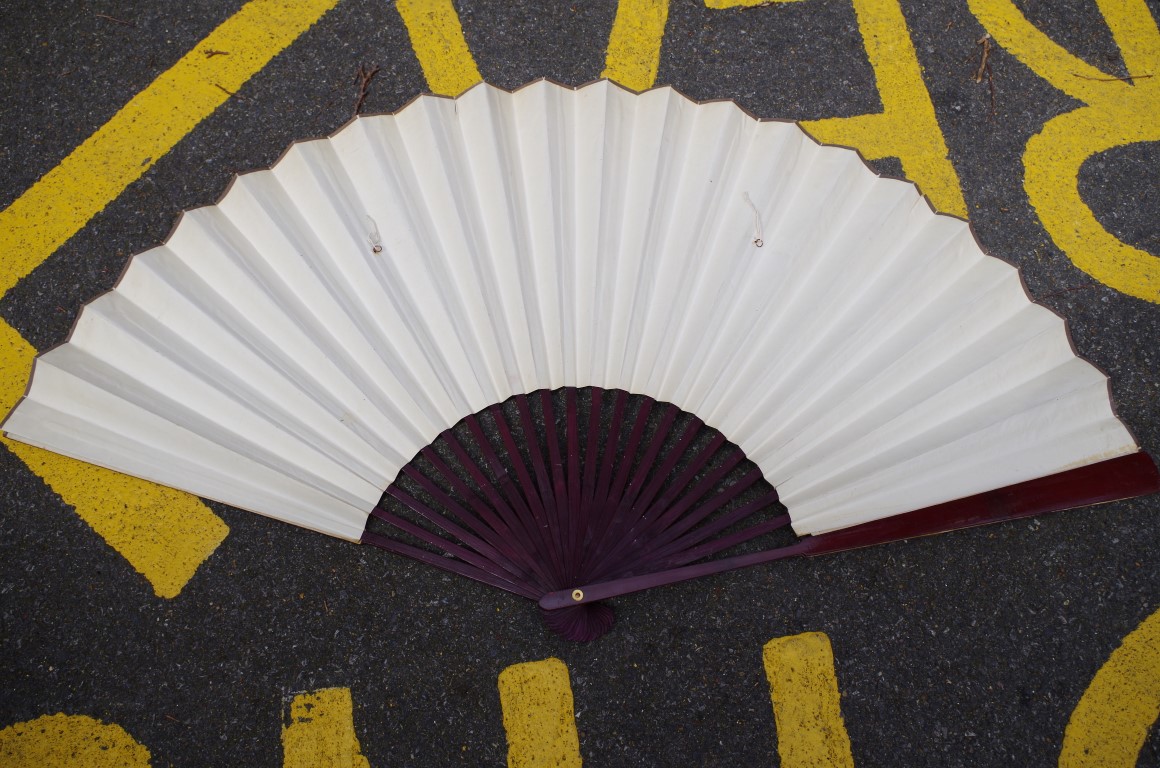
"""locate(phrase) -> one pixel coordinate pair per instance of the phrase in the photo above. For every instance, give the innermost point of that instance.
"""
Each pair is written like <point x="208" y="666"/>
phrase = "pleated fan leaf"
<point x="304" y="343"/>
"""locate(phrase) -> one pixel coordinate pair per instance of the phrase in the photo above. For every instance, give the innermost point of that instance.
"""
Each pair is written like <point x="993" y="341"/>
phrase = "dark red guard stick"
<point x="1119" y="478"/>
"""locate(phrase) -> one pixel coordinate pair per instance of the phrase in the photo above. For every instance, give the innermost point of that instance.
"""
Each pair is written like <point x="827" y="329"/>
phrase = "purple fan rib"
<point x="535" y="496"/>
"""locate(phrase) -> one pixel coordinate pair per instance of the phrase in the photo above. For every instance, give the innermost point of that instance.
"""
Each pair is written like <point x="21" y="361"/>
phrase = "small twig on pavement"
<point x="210" y="53"/>
<point x="984" y="41"/>
<point x="363" y="77"/>
<point x="229" y="93"/>
<point x="984" y="71"/>
<point x="1124" y="79"/>
<point x="115" y="20"/>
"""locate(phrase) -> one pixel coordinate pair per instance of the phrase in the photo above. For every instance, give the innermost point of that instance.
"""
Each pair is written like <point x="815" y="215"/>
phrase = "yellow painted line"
<point x="153" y="121"/>
<point x="70" y="741"/>
<point x="634" y="46"/>
<point x="1116" y="113"/>
<point x="164" y="534"/>
<point x="804" y="689"/>
<point x="320" y="733"/>
<point x="1111" y="722"/>
<point x="1135" y="32"/>
<point x="1026" y="42"/>
<point x="907" y="127"/>
<point x="437" y="37"/>
<point x="719" y="5"/>
<point x="537" y="714"/>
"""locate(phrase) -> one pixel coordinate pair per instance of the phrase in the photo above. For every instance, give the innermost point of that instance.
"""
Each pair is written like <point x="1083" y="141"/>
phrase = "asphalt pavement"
<point x="966" y="649"/>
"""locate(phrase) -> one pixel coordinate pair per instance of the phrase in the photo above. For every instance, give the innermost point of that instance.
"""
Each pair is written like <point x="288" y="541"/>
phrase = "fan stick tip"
<point x="1123" y="477"/>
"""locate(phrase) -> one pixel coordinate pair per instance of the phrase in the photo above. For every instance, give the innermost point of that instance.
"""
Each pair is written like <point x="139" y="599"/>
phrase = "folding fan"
<point x="568" y="342"/>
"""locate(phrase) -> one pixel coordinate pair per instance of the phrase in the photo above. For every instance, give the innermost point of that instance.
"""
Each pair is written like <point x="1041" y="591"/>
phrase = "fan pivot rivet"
<point x="577" y="595"/>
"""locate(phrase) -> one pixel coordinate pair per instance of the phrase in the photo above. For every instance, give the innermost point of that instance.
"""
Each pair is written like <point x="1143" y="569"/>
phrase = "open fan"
<point x="567" y="342"/>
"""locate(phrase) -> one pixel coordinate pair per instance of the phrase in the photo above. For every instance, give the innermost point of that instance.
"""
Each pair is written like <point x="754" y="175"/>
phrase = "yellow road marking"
<point x="164" y="534"/>
<point x="719" y="5"/>
<point x="806" y="707"/>
<point x="537" y="714"/>
<point x="437" y="37"/>
<point x="1117" y="113"/>
<point x="1110" y="724"/>
<point x="153" y="121"/>
<point x="70" y="741"/>
<point x="634" y="46"/>
<point x="321" y="732"/>
<point x="907" y="127"/>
